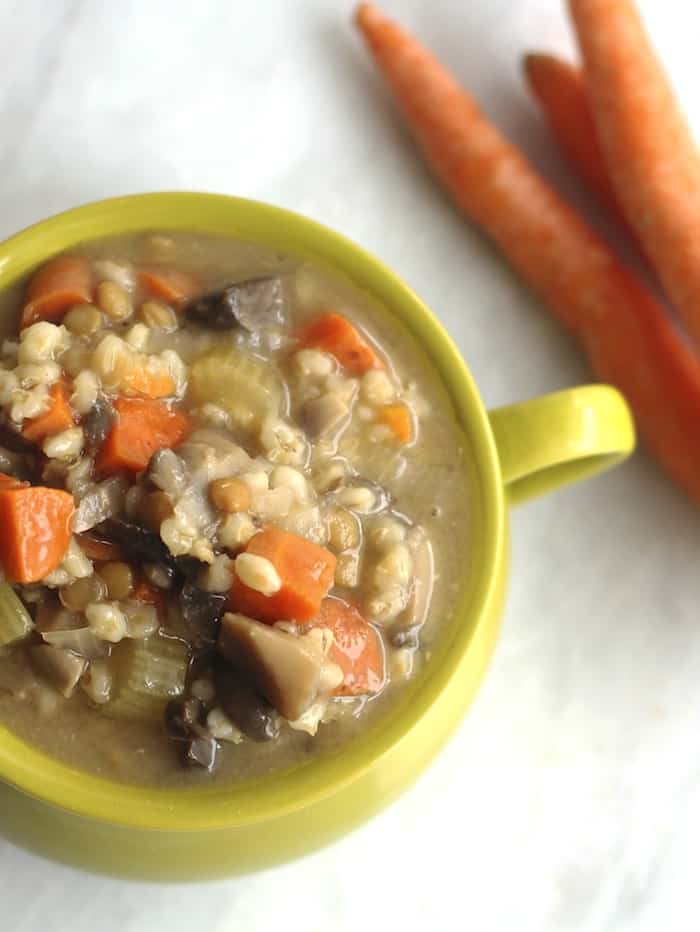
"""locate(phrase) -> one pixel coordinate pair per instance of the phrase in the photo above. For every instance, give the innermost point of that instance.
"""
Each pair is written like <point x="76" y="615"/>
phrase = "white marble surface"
<point x="570" y="797"/>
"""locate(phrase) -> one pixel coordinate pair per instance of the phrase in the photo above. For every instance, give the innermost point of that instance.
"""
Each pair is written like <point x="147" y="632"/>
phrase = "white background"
<point x="569" y="799"/>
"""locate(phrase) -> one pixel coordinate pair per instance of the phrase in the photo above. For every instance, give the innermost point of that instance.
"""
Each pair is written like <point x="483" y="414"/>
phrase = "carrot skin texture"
<point x="653" y="161"/>
<point x="58" y="284"/>
<point x="169" y="284"/>
<point x="356" y="648"/>
<point x="620" y="326"/>
<point x="334" y="334"/>
<point x="142" y="382"/>
<point x="36" y="530"/>
<point x="143" y="426"/>
<point x="560" y="89"/>
<point x="58" y="417"/>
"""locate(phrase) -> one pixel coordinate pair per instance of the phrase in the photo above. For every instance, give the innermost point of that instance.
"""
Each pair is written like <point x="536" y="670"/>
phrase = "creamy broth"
<point x="419" y="485"/>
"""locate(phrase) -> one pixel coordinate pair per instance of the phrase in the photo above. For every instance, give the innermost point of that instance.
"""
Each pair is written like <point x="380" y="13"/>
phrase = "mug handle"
<point x="555" y="440"/>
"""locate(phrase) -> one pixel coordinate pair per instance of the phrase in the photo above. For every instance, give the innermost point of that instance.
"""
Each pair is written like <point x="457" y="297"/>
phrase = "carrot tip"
<point x="365" y="13"/>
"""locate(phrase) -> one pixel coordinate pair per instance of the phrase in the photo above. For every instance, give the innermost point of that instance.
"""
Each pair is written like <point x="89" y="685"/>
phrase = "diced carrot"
<point x="169" y="284"/>
<point x="305" y="570"/>
<point x="62" y="282"/>
<point x="143" y="426"/>
<point x="334" y="334"/>
<point x="357" y="648"/>
<point x="143" y="591"/>
<point x="98" y="550"/>
<point x="140" y="381"/>
<point x="36" y="531"/>
<point x="398" y="418"/>
<point x="57" y="418"/>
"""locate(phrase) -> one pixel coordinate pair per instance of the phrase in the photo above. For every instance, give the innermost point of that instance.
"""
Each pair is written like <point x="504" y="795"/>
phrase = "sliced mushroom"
<point x="187" y="566"/>
<point x="13" y="464"/>
<point x="61" y="668"/>
<point x="201" y="752"/>
<point x="98" y="422"/>
<point x="404" y="631"/>
<point x="13" y="441"/>
<point x="202" y="613"/>
<point x="251" y="304"/>
<point x="99" y="502"/>
<point x="184" y="722"/>
<point x="285" y="668"/>
<point x="326" y="417"/>
<point x="52" y="616"/>
<point x="167" y="471"/>
<point x="211" y="454"/>
<point x="19" y="457"/>
<point x="183" y="718"/>
<point x="137" y="542"/>
<point x="248" y="711"/>
<point x="80" y="641"/>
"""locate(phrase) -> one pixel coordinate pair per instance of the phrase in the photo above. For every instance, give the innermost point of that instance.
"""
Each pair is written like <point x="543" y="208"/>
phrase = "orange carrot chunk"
<point x="357" y="648"/>
<point x="143" y="426"/>
<point x="621" y="327"/>
<point x="169" y="284"/>
<point x="561" y="91"/>
<point x="58" y="417"/>
<point x="398" y="418"/>
<point x="651" y="156"/>
<point x="306" y="572"/>
<point x="60" y="283"/>
<point x="139" y="381"/>
<point x="36" y="531"/>
<point x="333" y="334"/>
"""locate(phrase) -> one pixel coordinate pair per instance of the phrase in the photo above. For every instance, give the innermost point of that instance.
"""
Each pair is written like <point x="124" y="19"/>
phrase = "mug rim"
<point x="60" y="784"/>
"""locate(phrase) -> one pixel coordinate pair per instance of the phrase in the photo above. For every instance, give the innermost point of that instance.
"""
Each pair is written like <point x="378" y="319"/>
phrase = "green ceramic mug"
<point x="516" y="452"/>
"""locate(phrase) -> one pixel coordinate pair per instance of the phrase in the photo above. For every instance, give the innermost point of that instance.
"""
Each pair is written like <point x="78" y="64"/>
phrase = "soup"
<point x="234" y="509"/>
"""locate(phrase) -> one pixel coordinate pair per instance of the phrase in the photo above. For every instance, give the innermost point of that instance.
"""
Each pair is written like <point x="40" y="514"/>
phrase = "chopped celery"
<point x="148" y="674"/>
<point x="15" y="620"/>
<point x="243" y="385"/>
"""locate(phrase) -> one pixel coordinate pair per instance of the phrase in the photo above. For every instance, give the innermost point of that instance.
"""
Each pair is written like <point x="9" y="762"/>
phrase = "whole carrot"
<point x="619" y="324"/>
<point x="560" y="89"/>
<point x="653" y="161"/>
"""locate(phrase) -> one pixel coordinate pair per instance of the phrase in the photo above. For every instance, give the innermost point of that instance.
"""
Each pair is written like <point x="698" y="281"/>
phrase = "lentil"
<point x="78" y="595"/>
<point x="114" y="300"/>
<point x="118" y="577"/>
<point x="153" y="510"/>
<point x="230" y="495"/>
<point x="83" y="320"/>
